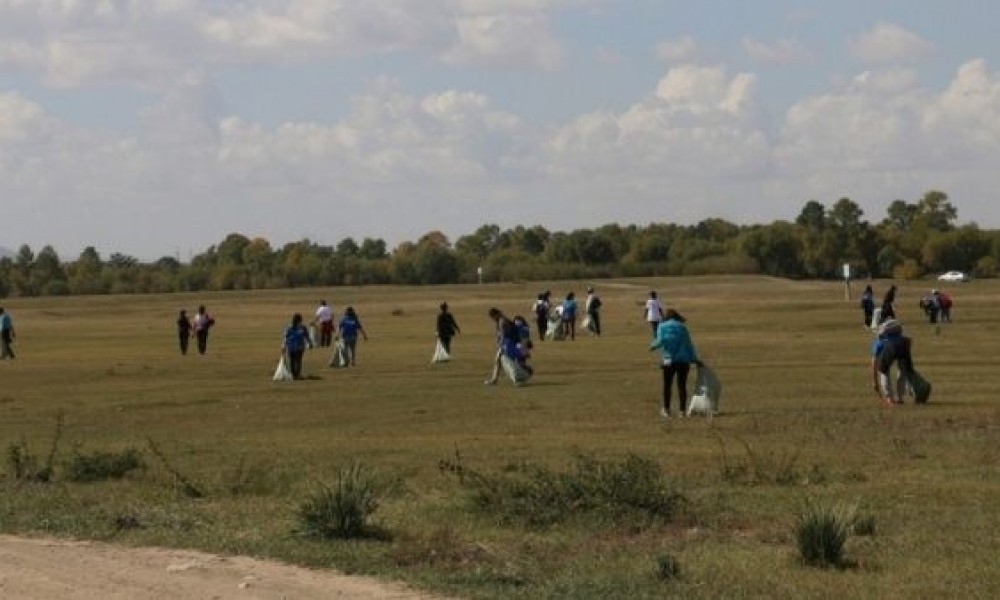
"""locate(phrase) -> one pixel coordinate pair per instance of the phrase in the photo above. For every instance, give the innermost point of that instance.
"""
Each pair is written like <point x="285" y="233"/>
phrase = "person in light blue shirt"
<point x="296" y="341"/>
<point x="7" y="335"/>
<point x="677" y="354"/>
<point x="569" y="310"/>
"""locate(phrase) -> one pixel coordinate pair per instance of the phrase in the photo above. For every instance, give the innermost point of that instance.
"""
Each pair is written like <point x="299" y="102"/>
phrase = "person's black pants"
<point x="543" y="326"/>
<point x="295" y="362"/>
<point x="446" y="342"/>
<point x="680" y="370"/>
<point x="595" y="319"/>
<point x="183" y="337"/>
<point x="202" y="341"/>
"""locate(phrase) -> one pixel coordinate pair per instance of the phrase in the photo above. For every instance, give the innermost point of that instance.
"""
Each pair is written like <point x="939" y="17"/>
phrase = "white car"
<point x="953" y="276"/>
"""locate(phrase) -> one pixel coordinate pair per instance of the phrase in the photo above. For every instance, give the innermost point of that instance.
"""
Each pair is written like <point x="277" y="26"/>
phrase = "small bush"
<point x="822" y="532"/>
<point x="101" y="466"/>
<point x="343" y="510"/>
<point x="633" y="488"/>
<point x="667" y="568"/>
<point x="864" y="525"/>
<point x="22" y="465"/>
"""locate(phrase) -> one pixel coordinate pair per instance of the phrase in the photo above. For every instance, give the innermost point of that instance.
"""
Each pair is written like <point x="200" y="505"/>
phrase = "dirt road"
<point x="43" y="569"/>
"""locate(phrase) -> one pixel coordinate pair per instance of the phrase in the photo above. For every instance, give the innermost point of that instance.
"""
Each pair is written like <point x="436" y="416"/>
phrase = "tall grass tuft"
<point x="103" y="465"/>
<point x="343" y="510"/>
<point x="629" y="489"/>
<point x="822" y="532"/>
<point x="667" y="568"/>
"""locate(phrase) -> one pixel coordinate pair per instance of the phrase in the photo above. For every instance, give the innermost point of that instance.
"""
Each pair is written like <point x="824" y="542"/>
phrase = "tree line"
<point x="913" y="239"/>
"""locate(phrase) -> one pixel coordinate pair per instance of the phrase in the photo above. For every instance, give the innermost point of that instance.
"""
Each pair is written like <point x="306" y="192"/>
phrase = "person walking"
<point x="203" y="322"/>
<point x="541" y="309"/>
<point x="7" y="335"/>
<point x="677" y="354"/>
<point x="183" y="330"/>
<point x="349" y="328"/>
<point x="888" y="305"/>
<point x="324" y="320"/>
<point x="295" y="342"/>
<point x="944" y="301"/>
<point x="891" y="347"/>
<point x="593" y="309"/>
<point x="868" y="304"/>
<point x="569" y="310"/>
<point x="447" y="327"/>
<point x="653" y="312"/>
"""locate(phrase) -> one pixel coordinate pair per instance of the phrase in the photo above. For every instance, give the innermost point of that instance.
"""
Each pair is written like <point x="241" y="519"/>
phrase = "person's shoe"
<point x="664" y="413"/>
<point x="490" y="382"/>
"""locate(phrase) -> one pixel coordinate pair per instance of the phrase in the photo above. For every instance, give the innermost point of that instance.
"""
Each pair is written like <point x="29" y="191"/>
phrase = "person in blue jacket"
<point x="296" y="340"/>
<point x="569" y="310"/>
<point x="349" y="328"/>
<point x="677" y="353"/>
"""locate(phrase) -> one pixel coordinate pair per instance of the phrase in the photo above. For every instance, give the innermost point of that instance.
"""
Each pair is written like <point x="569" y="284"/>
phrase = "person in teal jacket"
<point x="678" y="353"/>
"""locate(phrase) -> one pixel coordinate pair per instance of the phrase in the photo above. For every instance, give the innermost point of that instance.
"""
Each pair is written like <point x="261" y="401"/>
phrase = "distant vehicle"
<point x="953" y="276"/>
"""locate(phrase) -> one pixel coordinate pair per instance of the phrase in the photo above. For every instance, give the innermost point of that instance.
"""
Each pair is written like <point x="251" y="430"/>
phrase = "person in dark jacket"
<point x="296" y="341"/>
<point x="447" y="327"/>
<point x="183" y="330"/>
<point x="891" y="347"/>
<point x="868" y="304"/>
<point x="7" y="335"/>
<point x="888" y="305"/>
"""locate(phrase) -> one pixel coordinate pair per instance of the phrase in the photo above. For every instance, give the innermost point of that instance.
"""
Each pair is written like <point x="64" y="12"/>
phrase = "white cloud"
<point x="780" y="52"/>
<point x="506" y="42"/>
<point x="889" y="42"/>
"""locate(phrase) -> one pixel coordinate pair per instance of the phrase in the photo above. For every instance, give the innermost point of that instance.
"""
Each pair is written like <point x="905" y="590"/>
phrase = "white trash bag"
<point x="282" y="373"/>
<point x="339" y="358"/>
<point x="707" y="392"/>
<point x="440" y="354"/>
<point x="313" y="335"/>
<point x="514" y="370"/>
<point x="555" y="331"/>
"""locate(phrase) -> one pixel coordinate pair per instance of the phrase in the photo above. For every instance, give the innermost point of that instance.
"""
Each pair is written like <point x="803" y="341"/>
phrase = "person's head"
<point x="671" y="314"/>
<point x="590" y="290"/>
<point x="201" y="309"/>
<point x="350" y="311"/>
<point x="547" y="294"/>
<point x="183" y="313"/>
<point x="652" y="294"/>
<point x="541" y="295"/>
<point x="296" y="319"/>
<point x="1" y="310"/>
<point x="570" y="296"/>
<point x="322" y="302"/>
<point x="936" y="292"/>
<point x="495" y="313"/>
<point x="444" y="307"/>
<point x="868" y="288"/>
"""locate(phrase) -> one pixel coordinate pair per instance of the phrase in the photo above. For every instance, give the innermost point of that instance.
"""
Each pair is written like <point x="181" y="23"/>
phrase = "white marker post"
<point x="847" y="280"/>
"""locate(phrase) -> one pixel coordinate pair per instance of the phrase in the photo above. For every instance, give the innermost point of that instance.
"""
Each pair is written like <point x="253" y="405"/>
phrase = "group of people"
<point x="297" y="337"/>
<point x="937" y="307"/>
<point x="197" y="328"/>
<point x="557" y="320"/>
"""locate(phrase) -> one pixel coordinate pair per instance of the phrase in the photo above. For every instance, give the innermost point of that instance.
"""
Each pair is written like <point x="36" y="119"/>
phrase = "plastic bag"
<point x="517" y="373"/>
<point x="440" y="354"/>
<point x="707" y="393"/>
<point x="282" y="372"/>
<point x="339" y="358"/>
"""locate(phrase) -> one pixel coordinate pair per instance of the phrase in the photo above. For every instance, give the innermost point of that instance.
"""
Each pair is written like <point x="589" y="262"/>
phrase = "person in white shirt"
<point x="324" y="319"/>
<point x="593" y="309"/>
<point x="653" y="312"/>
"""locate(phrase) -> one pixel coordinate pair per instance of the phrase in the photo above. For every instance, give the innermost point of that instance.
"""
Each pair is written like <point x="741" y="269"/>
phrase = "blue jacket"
<point x="674" y="342"/>
<point x="297" y="338"/>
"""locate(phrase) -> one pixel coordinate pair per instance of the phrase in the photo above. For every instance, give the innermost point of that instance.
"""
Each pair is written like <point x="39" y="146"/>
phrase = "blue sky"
<point x="156" y="127"/>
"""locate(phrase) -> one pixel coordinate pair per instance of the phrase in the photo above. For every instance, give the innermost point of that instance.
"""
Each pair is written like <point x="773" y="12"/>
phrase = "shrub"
<point x="344" y="509"/>
<point x="822" y="532"/>
<point x="864" y="525"/>
<point x="667" y="568"/>
<point x="534" y="495"/>
<point x="103" y="465"/>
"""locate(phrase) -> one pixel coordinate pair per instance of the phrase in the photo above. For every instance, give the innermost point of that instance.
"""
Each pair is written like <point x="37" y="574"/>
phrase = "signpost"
<point x="847" y="280"/>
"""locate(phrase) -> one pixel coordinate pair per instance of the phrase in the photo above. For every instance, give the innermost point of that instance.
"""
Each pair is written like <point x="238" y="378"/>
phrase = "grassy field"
<point x="800" y="424"/>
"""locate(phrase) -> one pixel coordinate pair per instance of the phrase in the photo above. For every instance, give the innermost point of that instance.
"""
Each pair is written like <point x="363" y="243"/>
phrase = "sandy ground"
<point x="45" y="569"/>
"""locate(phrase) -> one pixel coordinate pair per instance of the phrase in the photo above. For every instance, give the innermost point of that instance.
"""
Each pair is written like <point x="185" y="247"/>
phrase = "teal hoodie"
<point x="674" y="342"/>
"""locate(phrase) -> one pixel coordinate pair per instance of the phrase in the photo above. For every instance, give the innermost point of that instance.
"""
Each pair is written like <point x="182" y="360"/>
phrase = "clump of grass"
<point x="864" y="524"/>
<point x="101" y="466"/>
<point x="771" y="468"/>
<point x="182" y="483"/>
<point x="629" y="489"/>
<point x="821" y="534"/>
<point x="667" y="568"/>
<point x="343" y="510"/>
<point x="24" y="465"/>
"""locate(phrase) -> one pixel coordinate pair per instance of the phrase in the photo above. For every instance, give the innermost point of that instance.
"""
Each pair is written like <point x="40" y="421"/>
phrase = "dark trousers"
<point x="595" y="320"/>
<point x="202" y="336"/>
<point x="351" y="350"/>
<point x="654" y="325"/>
<point x="6" y="339"/>
<point x="183" y="337"/>
<point x="543" y="326"/>
<point x="326" y="333"/>
<point x="446" y="342"/>
<point x="869" y="314"/>
<point x="681" y="370"/>
<point x="295" y="362"/>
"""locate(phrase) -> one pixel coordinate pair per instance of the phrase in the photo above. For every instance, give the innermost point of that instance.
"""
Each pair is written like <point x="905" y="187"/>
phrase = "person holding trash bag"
<point x="349" y="328"/>
<point x="296" y="341"/>
<point x="447" y="327"/>
<point x="677" y="355"/>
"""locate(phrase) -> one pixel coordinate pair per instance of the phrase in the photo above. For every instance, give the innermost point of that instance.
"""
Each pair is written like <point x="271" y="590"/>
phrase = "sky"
<point x="157" y="127"/>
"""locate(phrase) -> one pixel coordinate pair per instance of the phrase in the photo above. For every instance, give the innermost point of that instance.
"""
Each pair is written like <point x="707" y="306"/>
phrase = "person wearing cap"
<point x="891" y="347"/>
<point x="677" y="352"/>
<point x="447" y="327"/>
<point x="593" y="310"/>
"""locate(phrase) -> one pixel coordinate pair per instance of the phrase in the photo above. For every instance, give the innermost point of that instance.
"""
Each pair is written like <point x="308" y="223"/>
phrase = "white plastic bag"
<point x="514" y="370"/>
<point x="339" y="358"/>
<point x="440" y="354"/>
<point x="876" y="318"/>
<point x="555" y="331"/>
<point x="313" y="335"/>
<point x="282" y="373"/>
<point x="588" y="323"/>
<point x="707" y="393"/>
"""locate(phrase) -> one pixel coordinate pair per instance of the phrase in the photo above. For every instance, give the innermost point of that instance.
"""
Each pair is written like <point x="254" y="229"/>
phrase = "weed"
<point x="103" y="465"/>
<point x="631" y="488"/>
<point x="180" y="481"/>
<point x="822" y="532"/>
<point x="864" y="524"/>
<point x="667" y="568"/>
<point x="344" y="509"/>
<point x="22" y="465"/>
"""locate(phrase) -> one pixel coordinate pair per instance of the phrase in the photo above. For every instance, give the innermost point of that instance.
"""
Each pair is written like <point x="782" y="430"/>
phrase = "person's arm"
<point x="362" y="330"/>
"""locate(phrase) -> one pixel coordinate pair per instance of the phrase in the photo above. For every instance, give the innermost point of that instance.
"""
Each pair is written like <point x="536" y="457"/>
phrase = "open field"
<point x="800" y="423"/>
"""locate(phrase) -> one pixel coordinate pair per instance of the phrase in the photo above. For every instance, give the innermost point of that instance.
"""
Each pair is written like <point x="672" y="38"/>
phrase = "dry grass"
<point x="799" y="419"/>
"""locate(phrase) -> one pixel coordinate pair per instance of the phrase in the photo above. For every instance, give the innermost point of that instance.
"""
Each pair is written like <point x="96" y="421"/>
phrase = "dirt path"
<point x="42" y="569"/>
